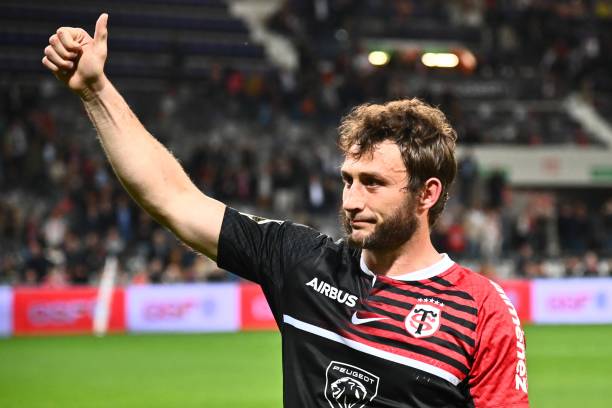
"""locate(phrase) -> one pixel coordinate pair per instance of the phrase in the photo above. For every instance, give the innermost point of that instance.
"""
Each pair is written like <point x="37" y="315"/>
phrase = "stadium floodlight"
<point x="105" y="293"/>
<point x="378" y="58"/>
<point x="440" y="60"/>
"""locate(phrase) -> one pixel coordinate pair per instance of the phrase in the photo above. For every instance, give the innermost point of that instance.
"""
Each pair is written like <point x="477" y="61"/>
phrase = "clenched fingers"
<point x="70" y="38"/>
<point x="50" y="65"/>
<point x="54" y="57"/>
<point x="56" y="43"/>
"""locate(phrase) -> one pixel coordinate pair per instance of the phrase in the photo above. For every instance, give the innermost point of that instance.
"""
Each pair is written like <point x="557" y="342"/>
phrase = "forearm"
<point x="147" y="170"/>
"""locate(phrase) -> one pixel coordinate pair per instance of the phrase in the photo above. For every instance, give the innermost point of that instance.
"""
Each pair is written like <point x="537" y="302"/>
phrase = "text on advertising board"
<point x="68" y="310"/>
<point x="578" y="300"/>
<point x="183" y="307"/>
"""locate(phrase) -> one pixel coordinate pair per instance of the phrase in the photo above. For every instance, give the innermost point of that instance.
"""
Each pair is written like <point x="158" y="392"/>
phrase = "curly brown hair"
<point x="423" y="134"/>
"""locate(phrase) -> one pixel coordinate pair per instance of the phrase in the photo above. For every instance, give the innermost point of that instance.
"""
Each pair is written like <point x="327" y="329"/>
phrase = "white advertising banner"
<point x="576" y="301"/>
<point x="183" y="308"/>
<point x="6" y="311"/>
<point x="550" y="166"/>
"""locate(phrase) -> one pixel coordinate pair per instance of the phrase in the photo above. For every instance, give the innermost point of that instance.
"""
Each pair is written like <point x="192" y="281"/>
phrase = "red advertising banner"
<point x="519" y="292"/>
<point x="62" y="311"/>
<point x="255" y="314"/>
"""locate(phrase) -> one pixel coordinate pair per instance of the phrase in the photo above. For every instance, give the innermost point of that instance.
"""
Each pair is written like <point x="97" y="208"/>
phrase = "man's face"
<point x="378" y="212"/>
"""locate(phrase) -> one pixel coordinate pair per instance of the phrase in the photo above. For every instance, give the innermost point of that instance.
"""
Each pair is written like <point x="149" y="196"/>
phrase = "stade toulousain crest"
<point x="347" y="386"/>
<point x="424" y="318"/>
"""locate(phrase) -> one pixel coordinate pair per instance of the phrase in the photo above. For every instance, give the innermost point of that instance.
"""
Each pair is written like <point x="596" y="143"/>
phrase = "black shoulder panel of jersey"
<point x="265" y="251"/>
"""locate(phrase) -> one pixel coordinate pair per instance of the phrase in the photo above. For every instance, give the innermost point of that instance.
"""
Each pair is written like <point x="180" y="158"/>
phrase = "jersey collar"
<point x="433" y="270"/>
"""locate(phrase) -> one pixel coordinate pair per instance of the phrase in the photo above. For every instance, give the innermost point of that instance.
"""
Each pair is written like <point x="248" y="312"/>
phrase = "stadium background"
<point x="247" y="94"/>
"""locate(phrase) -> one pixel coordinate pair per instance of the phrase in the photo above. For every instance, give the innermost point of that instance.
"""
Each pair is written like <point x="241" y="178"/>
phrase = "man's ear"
<point x="430" y="194"/>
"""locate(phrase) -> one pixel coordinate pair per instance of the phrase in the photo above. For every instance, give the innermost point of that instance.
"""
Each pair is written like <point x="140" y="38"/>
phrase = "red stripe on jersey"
<point x="405" y="338"/>
<point x="449" y="301"/>
<point x="469" y="348"/>
<point x="405" y="353"/>
<point x="452" y="294"/>
<point x="404" y="311"/>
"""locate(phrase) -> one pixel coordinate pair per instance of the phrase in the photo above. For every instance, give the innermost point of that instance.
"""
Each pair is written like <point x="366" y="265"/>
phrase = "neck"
<point x="413" y="255"/>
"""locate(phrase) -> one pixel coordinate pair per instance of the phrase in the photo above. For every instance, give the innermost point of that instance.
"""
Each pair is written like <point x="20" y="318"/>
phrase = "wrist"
<point x="93" y="89"/>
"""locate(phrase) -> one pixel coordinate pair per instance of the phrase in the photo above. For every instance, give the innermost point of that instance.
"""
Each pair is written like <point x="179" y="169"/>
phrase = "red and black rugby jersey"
<point x="443" y="336"/>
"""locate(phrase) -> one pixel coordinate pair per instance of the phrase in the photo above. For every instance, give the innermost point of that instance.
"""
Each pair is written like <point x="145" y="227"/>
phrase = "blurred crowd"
<point x="523" y="50"/>
<point x="526" y="233"/>
<point x="62" y="212"/>
<point x="264" y="142"/>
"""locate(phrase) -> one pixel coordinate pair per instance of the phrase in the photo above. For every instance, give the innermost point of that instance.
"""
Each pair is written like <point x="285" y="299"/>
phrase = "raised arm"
<point x="147" y="170"/>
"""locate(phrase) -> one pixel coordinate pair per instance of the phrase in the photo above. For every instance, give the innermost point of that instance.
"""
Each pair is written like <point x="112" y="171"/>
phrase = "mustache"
<point x="346" y="219"/>
<point x="345" y="215"/>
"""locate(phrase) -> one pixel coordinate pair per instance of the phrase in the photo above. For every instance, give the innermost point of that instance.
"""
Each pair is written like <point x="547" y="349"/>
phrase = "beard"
<point x="395" y="230"/>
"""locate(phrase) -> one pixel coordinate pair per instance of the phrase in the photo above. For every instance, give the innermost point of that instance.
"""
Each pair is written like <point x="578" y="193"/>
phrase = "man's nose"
<point x="353" y="198"/>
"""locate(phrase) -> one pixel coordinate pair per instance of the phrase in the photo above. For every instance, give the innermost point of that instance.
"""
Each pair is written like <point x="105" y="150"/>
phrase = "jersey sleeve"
<point x="499" y="373"/>
<point x="263" y="250"/>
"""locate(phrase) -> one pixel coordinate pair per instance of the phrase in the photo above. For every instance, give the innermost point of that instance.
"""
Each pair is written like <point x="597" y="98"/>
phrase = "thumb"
<point x="101" y="31"/>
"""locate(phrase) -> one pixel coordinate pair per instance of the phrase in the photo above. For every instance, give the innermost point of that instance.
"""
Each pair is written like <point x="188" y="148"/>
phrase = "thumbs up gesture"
<point x="77" y="59"/>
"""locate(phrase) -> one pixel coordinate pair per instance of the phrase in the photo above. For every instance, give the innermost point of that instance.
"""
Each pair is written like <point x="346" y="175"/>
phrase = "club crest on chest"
<point x="424" y="318"/>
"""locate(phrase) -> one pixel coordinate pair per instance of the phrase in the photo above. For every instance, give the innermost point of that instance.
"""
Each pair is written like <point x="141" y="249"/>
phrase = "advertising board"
<point x="519" y="293"/>
<point x="576" y="301"/>
<point x="62" y="311"/>
<point x="255" y="314"/>
<point x="6" y="313"/>
<point x="183" y="308"/>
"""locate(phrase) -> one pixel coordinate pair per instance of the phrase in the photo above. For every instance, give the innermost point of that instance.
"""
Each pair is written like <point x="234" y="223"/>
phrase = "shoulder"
<point x="293" y="234"/>
<point x="488" y="295"/>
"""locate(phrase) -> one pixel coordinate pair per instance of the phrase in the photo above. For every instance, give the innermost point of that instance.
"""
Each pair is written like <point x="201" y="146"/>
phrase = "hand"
<point x="77" y="59"/>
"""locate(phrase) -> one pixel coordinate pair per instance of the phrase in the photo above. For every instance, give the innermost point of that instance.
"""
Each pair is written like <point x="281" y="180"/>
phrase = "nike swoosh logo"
<point x="356" y="320"/>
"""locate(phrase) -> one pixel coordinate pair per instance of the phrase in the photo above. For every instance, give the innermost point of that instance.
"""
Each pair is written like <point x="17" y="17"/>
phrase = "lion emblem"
<point x="348" y="392"/>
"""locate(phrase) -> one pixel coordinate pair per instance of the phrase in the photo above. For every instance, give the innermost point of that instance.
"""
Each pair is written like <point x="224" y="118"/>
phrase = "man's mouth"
<point x="360" y="222"/>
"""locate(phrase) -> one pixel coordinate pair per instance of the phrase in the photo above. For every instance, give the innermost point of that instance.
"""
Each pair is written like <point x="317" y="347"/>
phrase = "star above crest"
<point x="432" y="301"/>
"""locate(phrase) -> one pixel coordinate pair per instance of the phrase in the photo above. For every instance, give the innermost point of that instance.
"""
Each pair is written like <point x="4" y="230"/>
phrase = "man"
<point x="379" y="319"/>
